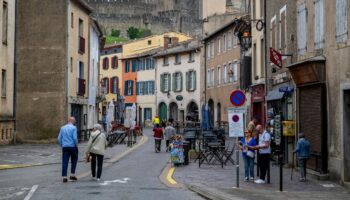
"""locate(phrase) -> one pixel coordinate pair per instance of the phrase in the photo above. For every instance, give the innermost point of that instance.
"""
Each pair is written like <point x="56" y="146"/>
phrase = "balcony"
<point x="81" y="86"/>
<point x="81" y="45"/>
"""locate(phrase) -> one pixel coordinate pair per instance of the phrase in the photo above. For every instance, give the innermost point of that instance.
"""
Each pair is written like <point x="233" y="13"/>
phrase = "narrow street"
<point x="135" y="176"/>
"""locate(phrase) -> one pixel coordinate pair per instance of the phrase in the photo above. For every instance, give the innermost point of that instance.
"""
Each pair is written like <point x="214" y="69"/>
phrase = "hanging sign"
<point x="276" y="57"/>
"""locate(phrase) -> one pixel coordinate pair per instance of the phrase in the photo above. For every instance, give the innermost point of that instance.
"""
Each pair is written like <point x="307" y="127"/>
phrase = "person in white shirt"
<point x="96" y="149"/>
<point x="264" y="152"/>
<point x="169" y="132"/>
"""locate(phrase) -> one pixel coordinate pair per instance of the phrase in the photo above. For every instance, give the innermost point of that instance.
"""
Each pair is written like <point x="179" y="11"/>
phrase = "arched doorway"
<point x="218" y="113"/>
<point x="163" y="112"/>
<point x="173" y="111"/>
<point x="192" y="112"/>
<point x="211" y="112"/>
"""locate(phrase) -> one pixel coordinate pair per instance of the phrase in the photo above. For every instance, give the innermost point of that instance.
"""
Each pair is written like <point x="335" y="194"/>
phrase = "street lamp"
<point x="246" y="39"/>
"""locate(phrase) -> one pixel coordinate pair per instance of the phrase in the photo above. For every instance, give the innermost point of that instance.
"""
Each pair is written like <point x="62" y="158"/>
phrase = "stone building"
<point x="52" y="66"/>
<point x="7" y="66"/>
<point x="221" y="72"/>
<point x="322" y="78"/>
<point x="178" y="72"/>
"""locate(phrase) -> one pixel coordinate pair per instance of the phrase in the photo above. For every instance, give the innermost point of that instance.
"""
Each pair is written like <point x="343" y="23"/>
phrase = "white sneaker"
<point x="246" y="179"/>
<point x="259" y="181"/>
<point x="252" y="178"/>
<point x="98" y="179"/>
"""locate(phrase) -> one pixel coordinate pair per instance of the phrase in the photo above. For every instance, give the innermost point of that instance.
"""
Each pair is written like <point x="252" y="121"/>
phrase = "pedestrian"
<point x="156" y="121"/>
<point x="264" y="152"/>
<point x="303" y="154"/>
<point x="158" y="136"/>
<point x="251" y="127"/>
<point x="169" y="132"/>
<point x="68" y="140"/>
<point x="96" y="149"/>
<point x="104" y="122"/>
<point x="248" y="155"/>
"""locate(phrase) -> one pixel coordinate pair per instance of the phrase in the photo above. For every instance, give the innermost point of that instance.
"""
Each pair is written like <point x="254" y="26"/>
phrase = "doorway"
<point x="76" y="111"/>
<point x="346" y="134"/>
<point x="163" y="112"/>
<point x="218" y="113"/>
<point x="173" y="111"/>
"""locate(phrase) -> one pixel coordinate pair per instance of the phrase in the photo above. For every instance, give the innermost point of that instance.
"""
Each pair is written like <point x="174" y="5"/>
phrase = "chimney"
<point x="170" y="42"/>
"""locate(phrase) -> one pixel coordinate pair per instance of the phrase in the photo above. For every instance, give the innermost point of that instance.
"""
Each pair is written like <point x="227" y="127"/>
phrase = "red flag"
<point x="276" y="57"/>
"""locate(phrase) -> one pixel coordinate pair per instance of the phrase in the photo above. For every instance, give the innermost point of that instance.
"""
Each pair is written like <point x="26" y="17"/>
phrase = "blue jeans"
<point x="248" y="166"/>
<point x="69" y="152"/>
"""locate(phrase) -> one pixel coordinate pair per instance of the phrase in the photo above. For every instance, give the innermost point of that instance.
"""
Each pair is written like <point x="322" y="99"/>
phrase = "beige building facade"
<point x="221" y="73"/>
<point x="7" y="65"/>
<point x="52" y="67"/>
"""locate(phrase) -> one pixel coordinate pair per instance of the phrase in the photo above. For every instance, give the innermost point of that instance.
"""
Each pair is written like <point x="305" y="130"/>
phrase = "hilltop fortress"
<point x="158" y="15"/>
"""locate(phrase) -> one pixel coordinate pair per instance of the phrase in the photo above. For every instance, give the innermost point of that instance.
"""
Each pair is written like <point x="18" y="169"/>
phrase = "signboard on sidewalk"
<point x="277" y="129"/>
<point x="236" y="123"/>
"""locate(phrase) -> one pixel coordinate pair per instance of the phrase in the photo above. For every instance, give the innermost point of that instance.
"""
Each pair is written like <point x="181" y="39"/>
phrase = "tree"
<point x="115" y="33"/>
<point x="133" y="33"/>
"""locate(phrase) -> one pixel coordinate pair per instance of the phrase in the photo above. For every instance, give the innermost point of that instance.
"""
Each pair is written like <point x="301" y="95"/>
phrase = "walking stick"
<point x="291" y="173"/>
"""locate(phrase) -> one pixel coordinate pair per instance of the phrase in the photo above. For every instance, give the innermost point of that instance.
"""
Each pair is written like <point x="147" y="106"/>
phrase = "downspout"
<point x="265" y="44"/>
<point x="15" y="77"/>
<point x="67" y="58"/>
<point x="205" y="73"/>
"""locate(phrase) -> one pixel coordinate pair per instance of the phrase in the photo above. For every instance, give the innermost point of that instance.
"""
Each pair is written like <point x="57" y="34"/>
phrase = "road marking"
<point x="169" y="177"/>
<point x="2" y="167"/>
<point x="31" y="192"/>
<point x="124" y="180"/>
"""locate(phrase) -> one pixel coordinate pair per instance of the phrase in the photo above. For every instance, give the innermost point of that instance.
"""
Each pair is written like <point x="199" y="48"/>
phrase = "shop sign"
<point x="179" y="97"/>
<point x="286" y="89"/>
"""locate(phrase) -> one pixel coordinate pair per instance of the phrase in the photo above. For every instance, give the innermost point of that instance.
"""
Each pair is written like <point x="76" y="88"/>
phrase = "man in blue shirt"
<point x="68" y="140"/>
<point x="303" y="154"/>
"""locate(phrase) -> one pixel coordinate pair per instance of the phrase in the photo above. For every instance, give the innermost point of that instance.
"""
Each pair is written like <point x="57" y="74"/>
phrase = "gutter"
<point x="15" y="77"/>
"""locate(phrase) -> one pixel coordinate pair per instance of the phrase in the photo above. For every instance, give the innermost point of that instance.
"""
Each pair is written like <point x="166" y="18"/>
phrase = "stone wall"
<point x="158" y="15"/>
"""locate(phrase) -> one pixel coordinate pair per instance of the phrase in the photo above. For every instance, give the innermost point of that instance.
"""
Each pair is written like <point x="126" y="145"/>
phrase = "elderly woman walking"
<point x="96" y="148"/>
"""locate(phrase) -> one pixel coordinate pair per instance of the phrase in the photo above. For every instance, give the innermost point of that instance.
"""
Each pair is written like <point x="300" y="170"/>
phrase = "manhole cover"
<point x="96" y="193"/>
<point x="45" y="154"/>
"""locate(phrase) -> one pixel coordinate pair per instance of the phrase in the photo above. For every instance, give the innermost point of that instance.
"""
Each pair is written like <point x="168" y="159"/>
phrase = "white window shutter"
<point x="302" y="29"/>
<point x="319" y="24"/>
<point x="341" y="20"/>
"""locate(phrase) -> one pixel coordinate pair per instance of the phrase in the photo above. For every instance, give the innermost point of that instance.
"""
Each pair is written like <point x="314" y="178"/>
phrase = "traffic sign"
<point x="236" y="123"/>
<point x="238" y="98"/>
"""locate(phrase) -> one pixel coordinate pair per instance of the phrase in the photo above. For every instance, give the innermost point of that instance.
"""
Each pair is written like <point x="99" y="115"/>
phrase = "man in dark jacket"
<point x="303" y="154"/>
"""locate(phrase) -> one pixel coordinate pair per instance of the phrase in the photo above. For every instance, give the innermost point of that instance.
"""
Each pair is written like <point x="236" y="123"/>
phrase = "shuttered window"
<point x="191" y="81"/>
<point x="283" y="30"/>
<point x="224" y="75"/>
<point x="134" y="65"/>
<point x="114" y="85"/>
<point x="213" y="77"/>
<point x="302" y="29"/>
<point x="105" y="63"/>
<point x="208" y="50"/>
<point x="319" y="24"/>
<point x="341" y="20"/>
<point x="231" y="71"/>
<point x="208" y="78"/>
<point x="235" y="72"/>
<point x="165" y="82"/>
<point x="177" y="82"/>
<point x="105" y="85"/>
<point x="219" y="46"/>
<point x="273" y="32"/>
<point x="115" y="62"/>
<point x="219" y="75"/>
<point x="229" y="40"/>
<point x="224" y="43"/>
<point x="127" y="66"/>
<point x="212" y="49"/>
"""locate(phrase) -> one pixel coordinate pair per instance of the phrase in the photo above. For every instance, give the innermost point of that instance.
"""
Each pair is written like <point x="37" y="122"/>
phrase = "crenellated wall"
<point x="158" y="15"/>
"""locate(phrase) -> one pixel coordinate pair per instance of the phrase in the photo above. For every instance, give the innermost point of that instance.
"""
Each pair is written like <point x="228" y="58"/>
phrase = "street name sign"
<point x="277" y="129"/>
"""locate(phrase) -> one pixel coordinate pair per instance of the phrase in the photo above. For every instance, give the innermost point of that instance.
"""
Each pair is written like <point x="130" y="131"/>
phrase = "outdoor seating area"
<point x="210" y="146"/>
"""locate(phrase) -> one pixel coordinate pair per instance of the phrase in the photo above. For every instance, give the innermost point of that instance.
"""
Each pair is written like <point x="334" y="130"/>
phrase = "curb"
<point x="209" y="194"/>
<point x="166" y="177"/>
<point x="110" y="161"/>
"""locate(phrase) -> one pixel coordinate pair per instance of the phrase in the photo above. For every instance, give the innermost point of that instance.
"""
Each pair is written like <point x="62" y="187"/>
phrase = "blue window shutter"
<point x="161" y="86"/>
<point x="133" y="65"/>
<point x="137" y="88"/>
<point x="132" y="88"/>
<point x="194" y="80"/>
<point x="125" y="88"/>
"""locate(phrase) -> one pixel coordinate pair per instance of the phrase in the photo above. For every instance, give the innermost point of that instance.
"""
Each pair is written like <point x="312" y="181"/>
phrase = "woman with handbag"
<point x="248" y="155"/>
<point x="95" y="150"/>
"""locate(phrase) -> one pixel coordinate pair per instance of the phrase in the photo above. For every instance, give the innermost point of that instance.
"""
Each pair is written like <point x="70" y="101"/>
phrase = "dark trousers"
<point x="302" y="167"/>
<point x="157" y="144"/>
<point x="72" y="153"/>
<point x="264" y="162"/>
<point x="99" y="165"/>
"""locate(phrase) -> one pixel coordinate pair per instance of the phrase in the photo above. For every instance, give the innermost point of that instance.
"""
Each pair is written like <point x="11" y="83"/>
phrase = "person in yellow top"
<point x="156" y="121"/>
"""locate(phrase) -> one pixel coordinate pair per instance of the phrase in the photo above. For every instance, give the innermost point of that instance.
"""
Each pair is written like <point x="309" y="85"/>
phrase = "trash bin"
<point x="186" y="150"/>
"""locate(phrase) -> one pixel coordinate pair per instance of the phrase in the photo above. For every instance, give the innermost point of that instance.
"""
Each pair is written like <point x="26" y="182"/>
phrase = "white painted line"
<point x="31" y="192"/>
<point x="328" y="185"/>
<point x="124" y="180"/>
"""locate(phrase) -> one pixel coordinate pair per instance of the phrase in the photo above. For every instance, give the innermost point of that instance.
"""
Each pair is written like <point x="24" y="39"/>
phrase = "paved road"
<point x="133" y="177"/>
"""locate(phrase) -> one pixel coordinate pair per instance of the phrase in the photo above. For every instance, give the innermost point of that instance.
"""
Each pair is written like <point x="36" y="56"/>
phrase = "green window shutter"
<point x="181" y="81"/>
<point x="194" y="81"/>
<point x="162" y="82"/>
<point x="169" y="82"/>
<point x="187" y="81"/>
<point x="174" y="82"/>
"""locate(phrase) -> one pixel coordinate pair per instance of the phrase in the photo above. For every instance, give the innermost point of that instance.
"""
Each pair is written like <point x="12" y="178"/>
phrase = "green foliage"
<point x="133" y="33"/>
<point x="136" y="33"/>
<point x="115" y="33"/>
<point x="113" y="40"/>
